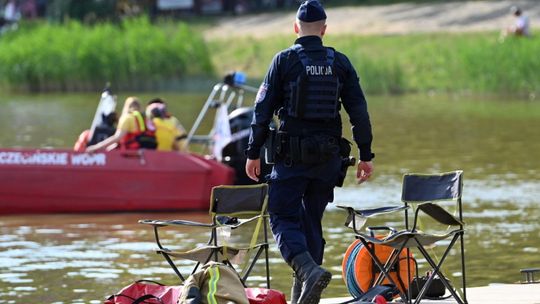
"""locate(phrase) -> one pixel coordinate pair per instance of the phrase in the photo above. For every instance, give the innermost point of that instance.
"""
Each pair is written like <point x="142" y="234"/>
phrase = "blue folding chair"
<point x="427" y="193"/>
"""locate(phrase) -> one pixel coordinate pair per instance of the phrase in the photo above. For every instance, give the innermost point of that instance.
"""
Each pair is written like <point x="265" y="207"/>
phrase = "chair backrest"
<point x="241" y="204"/>
<point x="420" y="188"/>
<point x="239" y="200"/>
<point x="427" y="190"/>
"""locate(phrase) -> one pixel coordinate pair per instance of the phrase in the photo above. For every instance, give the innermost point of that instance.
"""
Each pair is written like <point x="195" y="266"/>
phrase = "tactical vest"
<point x="315" y="93"/>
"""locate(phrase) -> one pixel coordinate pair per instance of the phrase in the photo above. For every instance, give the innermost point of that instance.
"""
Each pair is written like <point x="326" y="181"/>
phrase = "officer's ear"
<point x="323" y="30"/>
<point x="296" y="28"/>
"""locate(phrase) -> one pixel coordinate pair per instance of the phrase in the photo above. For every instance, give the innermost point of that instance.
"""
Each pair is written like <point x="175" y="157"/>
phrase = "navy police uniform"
<point x="306" y="86"/>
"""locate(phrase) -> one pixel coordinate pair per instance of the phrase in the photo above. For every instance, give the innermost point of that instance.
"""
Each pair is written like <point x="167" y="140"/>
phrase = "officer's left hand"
<point x="364" y="171"/>
<point x="253" y="168"/>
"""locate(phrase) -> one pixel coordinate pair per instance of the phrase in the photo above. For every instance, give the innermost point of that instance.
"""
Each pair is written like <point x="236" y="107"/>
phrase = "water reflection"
<point x="71" y="259"/>
<point x="83" y="258"/>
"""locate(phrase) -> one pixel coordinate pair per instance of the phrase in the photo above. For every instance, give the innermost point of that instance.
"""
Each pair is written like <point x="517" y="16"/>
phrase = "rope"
<point x="349" y="275"/>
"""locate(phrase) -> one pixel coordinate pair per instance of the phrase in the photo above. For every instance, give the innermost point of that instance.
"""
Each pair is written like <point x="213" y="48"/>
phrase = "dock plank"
<point x="492" y="294"/>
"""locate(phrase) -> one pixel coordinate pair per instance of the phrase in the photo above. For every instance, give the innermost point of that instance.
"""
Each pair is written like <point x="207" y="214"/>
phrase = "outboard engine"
<point x="233" y="153"/>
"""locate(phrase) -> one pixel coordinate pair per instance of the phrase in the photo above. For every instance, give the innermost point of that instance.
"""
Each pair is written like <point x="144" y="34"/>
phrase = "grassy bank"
<point x="476" y="62"/>
<point x="132" y="55"/>
<point x="138" y="55"/>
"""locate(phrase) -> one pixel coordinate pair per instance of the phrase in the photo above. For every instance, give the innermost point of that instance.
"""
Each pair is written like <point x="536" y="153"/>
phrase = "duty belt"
<point x="310" y="150"/>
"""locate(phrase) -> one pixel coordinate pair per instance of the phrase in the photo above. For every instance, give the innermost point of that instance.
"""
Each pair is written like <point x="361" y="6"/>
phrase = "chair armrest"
<point x="162" y="223"/>
<point x="354" y="220"/>
<point x="374" y="211"/>
<point x="178" y="223"/>
<point x="243" y="221"/>
<point x="358" y="218"/>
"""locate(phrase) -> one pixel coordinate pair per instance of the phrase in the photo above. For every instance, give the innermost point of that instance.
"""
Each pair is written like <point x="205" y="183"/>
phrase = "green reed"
<point x="442" y="62"/>
<point x="138" y="55"/>
<point x="134" y="54"/>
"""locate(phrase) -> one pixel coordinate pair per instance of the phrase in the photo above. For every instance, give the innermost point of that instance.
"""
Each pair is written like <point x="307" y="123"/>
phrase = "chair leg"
<point x="252" y="264"/>
<point x="267" y="266"/>
<point x="409" y="277"/>
<point x="265" y="230"/>
<point x="173" y="266"/>
<point x="464" y="281"/>
<point x="383" y="269"/>
<point x="436" y="271"/>
<point x="392" y="259"/>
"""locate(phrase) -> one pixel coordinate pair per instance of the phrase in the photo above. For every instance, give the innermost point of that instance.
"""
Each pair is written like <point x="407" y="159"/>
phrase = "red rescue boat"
<point x="52" y="181"/>
<point x="62" y="180"/>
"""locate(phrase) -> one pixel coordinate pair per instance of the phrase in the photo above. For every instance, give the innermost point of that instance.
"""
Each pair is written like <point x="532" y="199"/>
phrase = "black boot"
<point x="296" y="289"/>
<point x="314" y="278"/>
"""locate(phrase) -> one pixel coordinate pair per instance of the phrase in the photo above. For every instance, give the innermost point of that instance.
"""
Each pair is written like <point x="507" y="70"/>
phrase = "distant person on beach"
<point x="134" y="131"/>
<point x="170" y="134"/>
<point x="10" y="17"/>
<point x="12" y="13"/>
<point x="520" y="28"/>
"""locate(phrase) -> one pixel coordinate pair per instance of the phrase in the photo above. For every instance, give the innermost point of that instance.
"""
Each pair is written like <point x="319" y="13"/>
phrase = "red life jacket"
<point x="143" y="138"/>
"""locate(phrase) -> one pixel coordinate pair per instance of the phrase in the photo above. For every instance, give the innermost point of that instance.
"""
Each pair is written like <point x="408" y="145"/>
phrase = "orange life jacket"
<point x="143" y="138"/>
<point x="82" y="141"/>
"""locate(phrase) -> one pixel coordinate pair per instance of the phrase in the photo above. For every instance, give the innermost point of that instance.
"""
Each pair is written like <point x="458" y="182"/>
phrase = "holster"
<point x="281" y="144"/>
<point x="346" y="160"/>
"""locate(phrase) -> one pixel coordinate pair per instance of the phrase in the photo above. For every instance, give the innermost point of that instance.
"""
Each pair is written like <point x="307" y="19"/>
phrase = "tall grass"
<point x="442" y="62"/>
<point x="139" y="55"/>
<point x="132" y="55"/>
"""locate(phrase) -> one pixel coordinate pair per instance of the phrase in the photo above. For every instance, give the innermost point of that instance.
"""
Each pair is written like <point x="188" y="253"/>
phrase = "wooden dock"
<point x="492" y="294"/>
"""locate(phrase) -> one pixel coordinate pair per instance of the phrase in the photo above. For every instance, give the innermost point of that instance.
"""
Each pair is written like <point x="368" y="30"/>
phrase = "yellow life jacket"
<point x="166" y="133"/>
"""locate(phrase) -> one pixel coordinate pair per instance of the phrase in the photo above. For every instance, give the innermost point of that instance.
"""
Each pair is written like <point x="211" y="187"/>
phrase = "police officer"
<point x="305" y="86"/>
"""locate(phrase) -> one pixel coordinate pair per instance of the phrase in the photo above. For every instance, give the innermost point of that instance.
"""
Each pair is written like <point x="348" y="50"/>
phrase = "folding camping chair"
<point x="426" y="193"/>
<point x="236" y="212"/>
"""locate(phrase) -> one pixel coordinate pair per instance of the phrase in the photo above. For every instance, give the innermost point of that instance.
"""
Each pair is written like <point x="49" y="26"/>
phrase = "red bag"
<point x="146" y="292"/>
<point x="265" y="296"/>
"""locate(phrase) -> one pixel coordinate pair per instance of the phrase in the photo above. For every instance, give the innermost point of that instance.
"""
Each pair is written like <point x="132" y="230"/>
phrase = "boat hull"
<point x="55" y="181"/>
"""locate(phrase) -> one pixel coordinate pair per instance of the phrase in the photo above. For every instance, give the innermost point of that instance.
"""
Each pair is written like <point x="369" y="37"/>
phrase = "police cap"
<point x="311" y="11"/>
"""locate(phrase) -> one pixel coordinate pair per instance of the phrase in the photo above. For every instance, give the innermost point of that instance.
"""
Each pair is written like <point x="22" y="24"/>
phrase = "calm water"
<point x="84" y="258"/>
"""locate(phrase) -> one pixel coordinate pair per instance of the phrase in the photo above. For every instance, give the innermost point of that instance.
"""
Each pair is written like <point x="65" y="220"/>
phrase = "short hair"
<point x="155" y="100"/>
<point x="310" y="26"/>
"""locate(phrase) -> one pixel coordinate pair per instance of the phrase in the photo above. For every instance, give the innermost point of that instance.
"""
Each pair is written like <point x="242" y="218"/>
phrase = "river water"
<point x="74" y="258"/>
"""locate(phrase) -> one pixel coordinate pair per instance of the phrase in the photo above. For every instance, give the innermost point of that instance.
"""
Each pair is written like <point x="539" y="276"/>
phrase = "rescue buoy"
<point x="359" y="271"/>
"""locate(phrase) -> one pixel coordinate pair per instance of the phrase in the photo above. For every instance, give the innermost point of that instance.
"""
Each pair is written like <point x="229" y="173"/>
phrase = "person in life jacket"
<point x="105" y="129"/>
<point x="134" y="131"/>
<point x="170" y="134"/>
